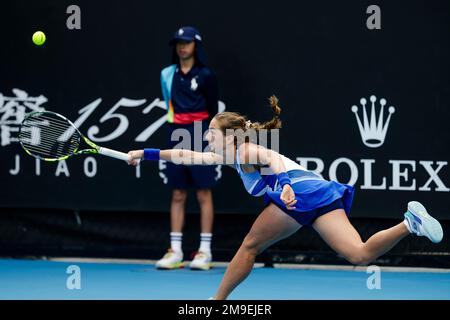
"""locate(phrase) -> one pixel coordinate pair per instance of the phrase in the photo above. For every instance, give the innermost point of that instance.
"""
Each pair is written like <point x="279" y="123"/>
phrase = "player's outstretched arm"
<point x="177" y="156"/>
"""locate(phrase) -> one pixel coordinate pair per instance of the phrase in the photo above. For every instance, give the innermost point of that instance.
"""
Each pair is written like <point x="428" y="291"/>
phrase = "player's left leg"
<point x="335" y="229"/>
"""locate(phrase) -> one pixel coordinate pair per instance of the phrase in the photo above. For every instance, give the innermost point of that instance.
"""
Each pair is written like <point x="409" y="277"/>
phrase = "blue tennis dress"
<point x="315" y="196"/>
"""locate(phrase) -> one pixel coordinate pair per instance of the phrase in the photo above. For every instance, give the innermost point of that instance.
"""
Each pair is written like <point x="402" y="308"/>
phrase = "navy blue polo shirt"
<point x="194" y="96"/>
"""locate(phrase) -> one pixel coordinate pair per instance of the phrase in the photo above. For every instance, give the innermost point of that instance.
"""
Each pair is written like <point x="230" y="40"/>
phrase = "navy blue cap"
<point x="189" y="34"/>
<point x="186" y="34"/>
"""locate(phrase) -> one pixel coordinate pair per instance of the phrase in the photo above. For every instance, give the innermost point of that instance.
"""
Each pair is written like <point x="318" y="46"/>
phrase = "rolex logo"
<point x="373" y="131"/>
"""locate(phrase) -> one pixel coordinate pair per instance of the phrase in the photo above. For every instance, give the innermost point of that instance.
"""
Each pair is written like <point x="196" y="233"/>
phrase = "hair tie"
<point x="248" y="124"/>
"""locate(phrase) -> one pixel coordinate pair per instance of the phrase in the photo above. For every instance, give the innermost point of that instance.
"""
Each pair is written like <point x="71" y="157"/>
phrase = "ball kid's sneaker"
<point x="202" y="261"/>
<point x="171" y="260"/>
<point x="419" y="222"/>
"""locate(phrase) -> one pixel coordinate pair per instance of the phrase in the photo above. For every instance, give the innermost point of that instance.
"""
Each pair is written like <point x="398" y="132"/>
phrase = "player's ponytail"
<point x="234" y="120"/>
<point x="275" y="123"/>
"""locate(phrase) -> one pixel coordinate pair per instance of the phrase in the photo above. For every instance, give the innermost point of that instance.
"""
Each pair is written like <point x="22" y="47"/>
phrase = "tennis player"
<point x="295" y="197"/>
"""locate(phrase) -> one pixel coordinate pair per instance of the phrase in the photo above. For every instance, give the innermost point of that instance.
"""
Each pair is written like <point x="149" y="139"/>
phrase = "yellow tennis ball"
<point x="38" y="38"/>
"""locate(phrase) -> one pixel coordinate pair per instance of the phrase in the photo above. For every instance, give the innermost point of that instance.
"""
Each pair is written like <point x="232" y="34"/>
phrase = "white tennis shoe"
<point x="171" y="260"/>
<point x="202" y="261"/>
<point x="421" y="223"/>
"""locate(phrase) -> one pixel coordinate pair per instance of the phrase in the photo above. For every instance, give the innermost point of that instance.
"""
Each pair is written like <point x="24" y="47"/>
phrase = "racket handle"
<point x="114" y="154"/>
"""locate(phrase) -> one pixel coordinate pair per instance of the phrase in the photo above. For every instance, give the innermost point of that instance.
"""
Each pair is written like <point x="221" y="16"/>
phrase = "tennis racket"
<point x="50" y="136"/>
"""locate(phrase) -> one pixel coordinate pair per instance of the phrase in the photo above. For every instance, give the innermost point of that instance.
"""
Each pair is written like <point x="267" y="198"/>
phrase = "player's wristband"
<point x="151" y="154"/>
<point x="283" y="179"/>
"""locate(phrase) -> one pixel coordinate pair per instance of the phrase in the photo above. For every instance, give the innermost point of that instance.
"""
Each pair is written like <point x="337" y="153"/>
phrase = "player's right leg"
<point x="271" y="226"/>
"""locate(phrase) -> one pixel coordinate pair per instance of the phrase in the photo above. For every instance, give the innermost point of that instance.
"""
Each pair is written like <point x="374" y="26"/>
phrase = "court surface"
<point x="43" y="279"/>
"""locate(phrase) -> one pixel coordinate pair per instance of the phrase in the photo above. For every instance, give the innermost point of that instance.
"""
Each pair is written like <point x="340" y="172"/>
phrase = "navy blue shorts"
<point x="190" y="177"/>
<point x="307" y="218"/>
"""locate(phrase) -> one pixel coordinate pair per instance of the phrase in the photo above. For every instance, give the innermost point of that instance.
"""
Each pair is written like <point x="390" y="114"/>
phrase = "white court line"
<point x="358" y="268"/>
<point x="131" y="261"/>
<point x="260" y="265"/>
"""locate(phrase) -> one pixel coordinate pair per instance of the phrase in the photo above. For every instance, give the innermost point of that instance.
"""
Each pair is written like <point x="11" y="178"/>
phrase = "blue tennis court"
<point x="42" y="279"/>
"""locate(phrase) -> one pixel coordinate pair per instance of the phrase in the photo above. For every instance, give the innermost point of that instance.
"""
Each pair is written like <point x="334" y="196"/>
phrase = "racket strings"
<point x="56" y="123"/>
<point x="47" y="136"/>
<point x="47" y="145"/>
<point x="53" y="133"/>
<point x="49" y="150"/>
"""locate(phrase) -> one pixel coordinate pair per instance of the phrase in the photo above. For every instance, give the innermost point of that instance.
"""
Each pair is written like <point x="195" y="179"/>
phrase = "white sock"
<point x="205" y="242"/>
<point x="175" y="241"/>
<point x="407" y="225"/>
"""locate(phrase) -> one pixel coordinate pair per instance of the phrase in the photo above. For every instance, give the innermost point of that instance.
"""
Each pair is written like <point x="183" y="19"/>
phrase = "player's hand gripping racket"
<point x="50" y="136"/>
